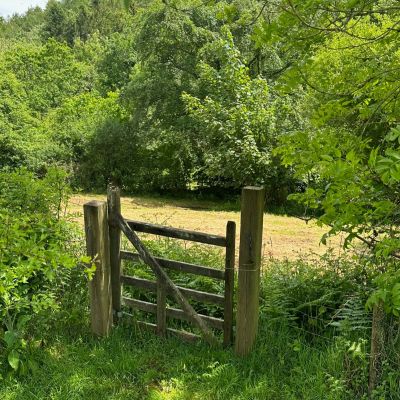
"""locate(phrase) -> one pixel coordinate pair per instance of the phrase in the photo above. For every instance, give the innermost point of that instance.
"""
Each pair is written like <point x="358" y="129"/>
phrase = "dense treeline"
<point x="176" y="95"/>
<point x="112" y="90"/>
<point x="168" y="95"/>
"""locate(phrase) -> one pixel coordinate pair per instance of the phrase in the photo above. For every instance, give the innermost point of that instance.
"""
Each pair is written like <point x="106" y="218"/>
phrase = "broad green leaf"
<point x="13" y="359"/>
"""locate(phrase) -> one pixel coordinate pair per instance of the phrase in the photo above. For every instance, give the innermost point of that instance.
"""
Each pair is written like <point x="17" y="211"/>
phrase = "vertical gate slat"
<point x="229" y="282"/>
<point x="161" y="307"/>
<point x="114" y="208"/>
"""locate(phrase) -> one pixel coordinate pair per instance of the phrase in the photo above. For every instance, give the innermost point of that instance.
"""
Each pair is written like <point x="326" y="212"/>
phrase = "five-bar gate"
<point x="160" y="286"/>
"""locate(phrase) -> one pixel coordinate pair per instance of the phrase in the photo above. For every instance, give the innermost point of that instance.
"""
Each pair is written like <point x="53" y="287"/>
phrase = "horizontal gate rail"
<point x="184" y="335"/>
<point x="179" y="266"/>
<point x="151" y="286"/>
<point x="176" y="233"/>
<point x="141" y="305"/>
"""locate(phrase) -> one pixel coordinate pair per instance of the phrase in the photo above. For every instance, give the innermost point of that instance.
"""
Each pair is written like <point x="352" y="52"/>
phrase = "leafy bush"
<point x="323" y="300"/>
<point x="36" y="258"/>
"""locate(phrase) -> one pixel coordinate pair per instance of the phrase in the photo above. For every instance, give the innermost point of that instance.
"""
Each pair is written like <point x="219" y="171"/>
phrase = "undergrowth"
<point x="313" y="342"/>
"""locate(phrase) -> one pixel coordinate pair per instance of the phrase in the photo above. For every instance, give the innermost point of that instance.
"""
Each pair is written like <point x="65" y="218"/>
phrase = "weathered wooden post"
<point x="97" y="245"/>
<point x="251" y="226"/>
<point x="377" y="347"/>
<point x="229" y="281"/>
<point x="114" y="208"/>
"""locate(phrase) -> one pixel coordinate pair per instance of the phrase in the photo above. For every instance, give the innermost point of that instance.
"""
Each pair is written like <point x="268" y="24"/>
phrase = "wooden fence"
<point x="104" y="225"/>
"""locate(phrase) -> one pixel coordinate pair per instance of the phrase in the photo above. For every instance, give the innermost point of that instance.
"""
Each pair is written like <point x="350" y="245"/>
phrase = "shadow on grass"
<point x="135" y="365"/>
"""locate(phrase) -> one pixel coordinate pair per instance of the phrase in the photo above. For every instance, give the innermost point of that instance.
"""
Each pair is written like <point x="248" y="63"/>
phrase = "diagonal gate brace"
<point x="162" y="275"/>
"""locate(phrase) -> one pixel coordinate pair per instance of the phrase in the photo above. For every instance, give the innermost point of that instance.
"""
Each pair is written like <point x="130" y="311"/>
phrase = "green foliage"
<point x="148" y="55"/>
<point x="116" y="62"/>
<point x="15" y="121"/>
<point x="313" y="294"/>
<point x="347" y="155"/>
<point x="34" y="259"/>
<point x="353" y="89"/>
<point x="355" y="190"/>
<point x="355" y="186"/>
<point x="49" y="74"/>
<point x="34" y="79"/>
<point x="70" y="20"/>
<point x="22" y="27"/>
<point x="236" y="118"/>
<point x="82" y="132"/>
<point x="388" y="291"/>
<point x="177" y="45"/>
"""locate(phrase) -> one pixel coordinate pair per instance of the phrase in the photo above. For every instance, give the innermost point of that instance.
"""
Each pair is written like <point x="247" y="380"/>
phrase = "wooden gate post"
<point x="251" y="226"/>
<point x="97" y="245"/>
<point x="114" y="208"/>
<point x="377" y="347"/>
<point x="229" y="282"/>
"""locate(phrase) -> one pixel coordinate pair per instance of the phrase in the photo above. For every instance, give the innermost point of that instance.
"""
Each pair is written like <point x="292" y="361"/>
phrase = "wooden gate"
<point x="103" y="226"/>
<point x="163" y="285"/>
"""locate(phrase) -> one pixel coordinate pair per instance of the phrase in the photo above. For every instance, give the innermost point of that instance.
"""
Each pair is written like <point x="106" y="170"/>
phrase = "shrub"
<point x="36" y="258"/>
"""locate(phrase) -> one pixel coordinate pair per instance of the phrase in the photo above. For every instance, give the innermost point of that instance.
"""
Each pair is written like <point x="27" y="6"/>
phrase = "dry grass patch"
<point x="284" y="237"/>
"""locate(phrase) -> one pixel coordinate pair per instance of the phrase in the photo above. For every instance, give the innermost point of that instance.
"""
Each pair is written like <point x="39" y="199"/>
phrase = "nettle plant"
<point x="36" y="258"/>
<point x="353" y="187"/>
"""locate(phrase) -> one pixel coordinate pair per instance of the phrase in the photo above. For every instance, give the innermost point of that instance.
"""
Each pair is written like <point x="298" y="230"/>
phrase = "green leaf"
<point x="393" y="153"/>
<point x="393" y="135"/>
<point x="326" y="157"/>
<point x="22" y="321"/>
<point x="10" y="338"/>
<point x="372" y="157"/>
<point x="13" y="359"/>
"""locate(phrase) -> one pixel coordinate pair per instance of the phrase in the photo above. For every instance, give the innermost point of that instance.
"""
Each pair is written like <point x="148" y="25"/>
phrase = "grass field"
<point x="284" y="237"/>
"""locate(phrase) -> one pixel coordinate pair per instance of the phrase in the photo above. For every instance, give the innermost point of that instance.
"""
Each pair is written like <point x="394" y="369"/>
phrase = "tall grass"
<point x="310" y="345"/>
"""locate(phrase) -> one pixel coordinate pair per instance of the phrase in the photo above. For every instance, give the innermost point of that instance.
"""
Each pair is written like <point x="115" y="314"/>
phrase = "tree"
<point x="349" y="155"/>
<point x="16" y="121"/>
<point x="69" y="20"/>
<point x="172" y="39"/>
<point x="236" y="119"/>
<point x="49" y="73"/>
